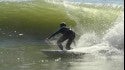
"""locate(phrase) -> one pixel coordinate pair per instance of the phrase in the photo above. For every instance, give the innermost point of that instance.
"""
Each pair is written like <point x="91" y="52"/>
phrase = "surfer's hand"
<point x="47" y="38"/>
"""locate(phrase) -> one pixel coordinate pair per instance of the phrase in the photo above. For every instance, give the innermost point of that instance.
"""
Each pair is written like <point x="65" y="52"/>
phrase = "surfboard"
<point x="62" y="53"/>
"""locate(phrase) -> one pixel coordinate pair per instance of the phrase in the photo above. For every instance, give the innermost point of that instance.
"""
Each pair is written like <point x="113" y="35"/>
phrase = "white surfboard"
<point x="62" y="53"/>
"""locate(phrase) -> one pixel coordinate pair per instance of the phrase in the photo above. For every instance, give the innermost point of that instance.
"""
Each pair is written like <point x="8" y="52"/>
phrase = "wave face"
<point x="14" y="0"/>
<point x="96" y="24"/>
<point x="29" y="19"/>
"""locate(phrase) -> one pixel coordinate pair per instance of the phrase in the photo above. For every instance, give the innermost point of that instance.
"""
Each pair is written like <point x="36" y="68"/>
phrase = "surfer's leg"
<point x="69" y="42"/>
<point x="59" y="42"/>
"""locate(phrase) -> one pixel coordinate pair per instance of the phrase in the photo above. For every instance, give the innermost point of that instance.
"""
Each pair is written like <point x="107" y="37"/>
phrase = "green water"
<point x="37" y="19"/>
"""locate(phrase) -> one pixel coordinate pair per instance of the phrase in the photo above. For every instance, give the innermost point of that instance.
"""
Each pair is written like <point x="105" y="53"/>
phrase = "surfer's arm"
<point x="57" y="32"/>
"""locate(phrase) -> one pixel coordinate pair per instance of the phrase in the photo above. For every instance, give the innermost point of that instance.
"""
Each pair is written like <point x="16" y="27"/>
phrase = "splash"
<point x="112" y="43"/>
<point x="115" y="35"/>
<point x="92" y="19"/>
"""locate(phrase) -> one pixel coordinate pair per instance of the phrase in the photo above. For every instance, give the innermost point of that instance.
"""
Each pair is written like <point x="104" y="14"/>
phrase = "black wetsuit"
<point x="67" y="34"/>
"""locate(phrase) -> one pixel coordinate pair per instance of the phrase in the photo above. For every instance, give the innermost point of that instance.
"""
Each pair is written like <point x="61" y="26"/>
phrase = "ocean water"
<point x="24" y="25"/>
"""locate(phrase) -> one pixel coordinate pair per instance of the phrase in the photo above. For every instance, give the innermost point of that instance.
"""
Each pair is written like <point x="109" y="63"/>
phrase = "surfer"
<point x="67" y="34"/>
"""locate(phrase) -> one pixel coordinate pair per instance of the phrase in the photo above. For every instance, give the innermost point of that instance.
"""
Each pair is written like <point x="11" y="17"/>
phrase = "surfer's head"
<point x="62" y="24"/>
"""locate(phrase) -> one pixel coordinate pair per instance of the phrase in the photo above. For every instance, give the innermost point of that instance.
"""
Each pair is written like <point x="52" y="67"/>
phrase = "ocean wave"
<point x="14" y="0"/>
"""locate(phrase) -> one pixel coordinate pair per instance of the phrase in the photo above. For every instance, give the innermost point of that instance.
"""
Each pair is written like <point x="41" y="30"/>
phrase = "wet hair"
<point x="62" y="24"/>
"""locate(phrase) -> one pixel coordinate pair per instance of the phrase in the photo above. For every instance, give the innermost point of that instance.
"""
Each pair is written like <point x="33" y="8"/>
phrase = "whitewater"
<point x="111" y="41"/>
<point x="110" y="45"/>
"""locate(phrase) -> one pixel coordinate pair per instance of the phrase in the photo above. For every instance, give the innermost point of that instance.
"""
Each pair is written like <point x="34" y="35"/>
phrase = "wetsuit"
<point x="67" y="34"/>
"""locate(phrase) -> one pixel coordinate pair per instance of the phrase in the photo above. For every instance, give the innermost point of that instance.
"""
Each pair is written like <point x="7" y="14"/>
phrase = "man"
<point x="67" y="34"/>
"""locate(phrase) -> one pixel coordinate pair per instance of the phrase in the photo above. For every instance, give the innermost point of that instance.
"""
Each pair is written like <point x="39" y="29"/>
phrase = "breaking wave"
<point x="98" y="30"/>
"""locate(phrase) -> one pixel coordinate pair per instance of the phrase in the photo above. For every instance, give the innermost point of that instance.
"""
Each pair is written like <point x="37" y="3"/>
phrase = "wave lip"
<point x="14" y="0"/>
